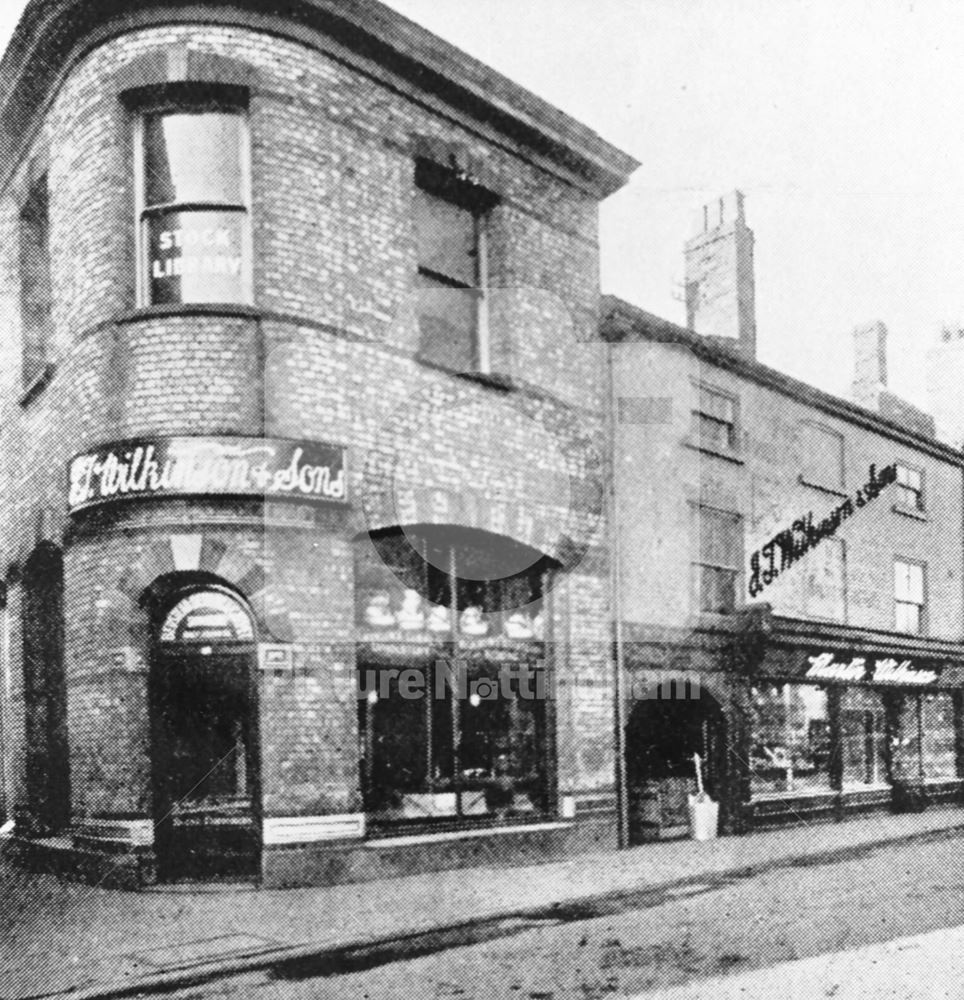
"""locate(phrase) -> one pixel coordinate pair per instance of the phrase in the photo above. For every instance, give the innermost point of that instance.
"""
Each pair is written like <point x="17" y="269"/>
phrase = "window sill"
<point x="727" y="456"/>
<point x="492" y="380"/>
<point x="801" y="793"/>
<point x="190" y="309"/>
<point x="917" y="515"/>
<point x="38" y="385"/>
<point x="832" y="490"/>
<point x="438" y="838"/>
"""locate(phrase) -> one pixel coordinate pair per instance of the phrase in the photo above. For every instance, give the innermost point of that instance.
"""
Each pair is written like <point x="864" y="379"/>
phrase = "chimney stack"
<point x="720" y="288"/>
<point x="870" y="364"/>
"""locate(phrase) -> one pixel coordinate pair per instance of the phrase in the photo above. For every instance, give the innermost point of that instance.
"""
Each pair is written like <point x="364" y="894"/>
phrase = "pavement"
<point x="922" y="967"/>
<point x="66" y="939"/>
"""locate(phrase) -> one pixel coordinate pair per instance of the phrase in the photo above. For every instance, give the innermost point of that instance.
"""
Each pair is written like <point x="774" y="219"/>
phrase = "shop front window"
<point x="864" y="738"/>
<point x="452" y="686"/>
<point x="193" y="215"/>
<point x="939" y="741"/>
<point x="790" y="739"/>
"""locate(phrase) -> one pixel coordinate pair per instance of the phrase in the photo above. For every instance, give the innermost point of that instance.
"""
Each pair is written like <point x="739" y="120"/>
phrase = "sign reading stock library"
<point x="152" y="468"/>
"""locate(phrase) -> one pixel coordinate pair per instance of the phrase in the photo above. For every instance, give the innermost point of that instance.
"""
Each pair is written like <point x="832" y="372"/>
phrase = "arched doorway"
<point x="662" y="736"/>
<point x="204" y="725"/>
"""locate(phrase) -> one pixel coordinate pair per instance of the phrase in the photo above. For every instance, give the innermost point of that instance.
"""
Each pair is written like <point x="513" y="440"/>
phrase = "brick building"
<point x="298" y="401"/>
<point x="791" y="557"/>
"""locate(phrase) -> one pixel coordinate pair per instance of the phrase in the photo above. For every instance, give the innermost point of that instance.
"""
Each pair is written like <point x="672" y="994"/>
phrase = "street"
<point x="719" y="938"/>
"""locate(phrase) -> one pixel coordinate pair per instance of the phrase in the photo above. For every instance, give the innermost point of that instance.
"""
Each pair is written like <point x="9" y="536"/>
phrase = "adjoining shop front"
<point x="797" y="721"/>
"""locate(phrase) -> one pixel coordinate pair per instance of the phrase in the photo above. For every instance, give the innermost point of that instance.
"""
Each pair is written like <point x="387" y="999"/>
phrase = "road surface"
<point x="887" y="924"/>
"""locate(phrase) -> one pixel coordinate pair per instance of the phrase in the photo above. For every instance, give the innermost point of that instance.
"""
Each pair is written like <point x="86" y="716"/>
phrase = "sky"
<point x="841" y="120"/>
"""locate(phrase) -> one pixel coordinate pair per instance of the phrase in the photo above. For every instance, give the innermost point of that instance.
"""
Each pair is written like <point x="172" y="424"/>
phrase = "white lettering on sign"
<point x="823" y="667"/>
<point x="234" y="466"/>
<point x="888" y="671"/>
<point x="206" y="615"/>
<point x="180" y="238"/>
<point x="892" y="672"/>
<point x="179" y="267"/>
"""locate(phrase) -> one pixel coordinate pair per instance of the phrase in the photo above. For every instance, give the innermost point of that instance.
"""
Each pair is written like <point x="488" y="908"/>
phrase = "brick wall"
<point x="330" y="356"/>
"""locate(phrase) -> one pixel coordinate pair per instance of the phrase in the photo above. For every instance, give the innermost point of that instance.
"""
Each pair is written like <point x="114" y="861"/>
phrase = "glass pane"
<point x="720" y="538"/>
<point x="196" y="257"/>
<point x="193" y="157"/>
<point x="502" y="719"/>
<point x="790" y="739"/>
<point x="715" y="433"/>
<point x="399" y="745"/>
<point x="717" y="589"/>
<point x="905" y="745"/>
<point x="940" y="757"/>
<point x="446" y="238"/>
<point x="822" y="453"/>
<point x="908" y="617"/>
<point x="864" y="737"/>
<point x="717" y="405"/>
<point x="447" y="325"/>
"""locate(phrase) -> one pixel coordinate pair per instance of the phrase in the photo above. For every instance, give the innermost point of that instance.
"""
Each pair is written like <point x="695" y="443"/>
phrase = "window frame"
<point x="920" y="505"/>
<point x="36" y="339"/>
<point x="457" y="189"/>
<point x="191" y="104"/>
<point x="899" y="602"/>
<point x="698" y="414"/>
<point x="444" y="732"/>
<point x="698" y="564"/>
<point x="806" y="478"/>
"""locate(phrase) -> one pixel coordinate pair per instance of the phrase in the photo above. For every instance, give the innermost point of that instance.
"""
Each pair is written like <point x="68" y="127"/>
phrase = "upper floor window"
<point x="715" y="420"/>
<point x="450" y="217"/>
<point x="909" y="596"/>
<point x="716" y="571"/>
<point x="822" y="454"/>
<point x="910" y="487"/>
<point x="36" y="291"/>
<point x="193" y="215"/>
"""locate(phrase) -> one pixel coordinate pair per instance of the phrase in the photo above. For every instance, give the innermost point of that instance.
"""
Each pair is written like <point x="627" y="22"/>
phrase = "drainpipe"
<point x="615" y="578"/>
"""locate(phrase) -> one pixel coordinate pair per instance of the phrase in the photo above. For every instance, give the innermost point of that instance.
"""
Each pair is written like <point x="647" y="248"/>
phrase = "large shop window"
<point x="36" y="288"/>
<point x="450" y="225"/>
<point x="193" y="215"/>
<point x="790" y="739"/>
<point x="452" y="686"/>
<point x="909" y="596"/>
<point x="864" y="738"/>
<point x="716" y="572"/>
<point x="923" y="743"/>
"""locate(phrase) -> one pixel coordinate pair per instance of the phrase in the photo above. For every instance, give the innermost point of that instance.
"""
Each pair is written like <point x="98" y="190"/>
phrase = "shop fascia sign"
<point x="793" y="543"/>
<point x="859" y="669"/>
<point x="161" y="467"/>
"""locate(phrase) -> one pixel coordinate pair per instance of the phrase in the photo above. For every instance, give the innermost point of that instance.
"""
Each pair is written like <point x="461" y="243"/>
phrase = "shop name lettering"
<point x="211" y="262"/>
<point x="207" y="466"/>
<point x="825" y="668"/>
<point x="793" y="543"/>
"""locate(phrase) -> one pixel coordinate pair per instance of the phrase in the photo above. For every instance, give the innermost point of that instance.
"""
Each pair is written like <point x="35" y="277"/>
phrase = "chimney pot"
<point x="720" y="289"/>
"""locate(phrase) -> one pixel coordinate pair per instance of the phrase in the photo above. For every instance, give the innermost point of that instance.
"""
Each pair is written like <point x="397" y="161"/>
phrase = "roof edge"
<point x="50" y="31"/>
<point x="622" y="322"/>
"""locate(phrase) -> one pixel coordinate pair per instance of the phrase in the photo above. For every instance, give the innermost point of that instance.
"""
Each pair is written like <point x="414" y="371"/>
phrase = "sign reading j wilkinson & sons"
<point x="208" y="466"/>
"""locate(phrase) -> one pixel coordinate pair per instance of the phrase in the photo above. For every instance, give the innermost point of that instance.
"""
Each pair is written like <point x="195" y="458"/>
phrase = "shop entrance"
<point x="661" y="737"/>
<point x="204" y="718"/>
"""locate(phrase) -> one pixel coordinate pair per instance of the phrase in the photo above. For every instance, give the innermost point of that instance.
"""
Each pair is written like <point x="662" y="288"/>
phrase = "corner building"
<point x="300" y="407"/>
